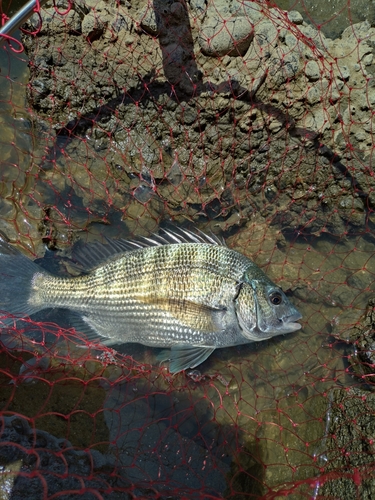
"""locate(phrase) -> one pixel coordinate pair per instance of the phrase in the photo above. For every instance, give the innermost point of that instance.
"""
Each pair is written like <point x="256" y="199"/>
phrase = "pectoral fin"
<point x="193" y="315"/>
<point x="184" y="357"/>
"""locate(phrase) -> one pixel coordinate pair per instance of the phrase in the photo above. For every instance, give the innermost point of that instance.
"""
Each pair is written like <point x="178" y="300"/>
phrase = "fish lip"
<point x="291" y="322"/>
<point x="293" y="326"/>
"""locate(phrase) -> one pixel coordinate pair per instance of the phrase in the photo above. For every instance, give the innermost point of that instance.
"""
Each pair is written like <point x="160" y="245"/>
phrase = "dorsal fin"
<point x="182" y="235"/>
<point x="91" y="255"/>
<point x="169" y="236"/>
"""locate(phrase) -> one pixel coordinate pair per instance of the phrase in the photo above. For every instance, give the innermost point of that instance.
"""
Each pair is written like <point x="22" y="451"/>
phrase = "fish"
<point x="180" y="290"/>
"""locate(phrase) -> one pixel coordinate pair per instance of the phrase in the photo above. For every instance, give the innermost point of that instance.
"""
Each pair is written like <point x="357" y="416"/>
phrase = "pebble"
<point x="291" y="41"/>
<point x="149" y="20"/>
<point x="344" y="73"/>
<point x="219" y="37"/>
<point x="367" y="60"/>
<point x="198" y="7"/>
<point x="312" y="71"/>
<point x="266" y="35"/>
<point x="295" y="17"/>
<point x="92" y="25"/>
<point x="313" y="95"/>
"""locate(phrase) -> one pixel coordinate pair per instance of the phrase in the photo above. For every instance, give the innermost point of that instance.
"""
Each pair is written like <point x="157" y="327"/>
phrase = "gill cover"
<point x="246" y="311"/>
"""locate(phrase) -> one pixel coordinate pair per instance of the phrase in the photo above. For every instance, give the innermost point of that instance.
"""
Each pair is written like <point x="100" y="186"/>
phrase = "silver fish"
<point x="181" y="290"/>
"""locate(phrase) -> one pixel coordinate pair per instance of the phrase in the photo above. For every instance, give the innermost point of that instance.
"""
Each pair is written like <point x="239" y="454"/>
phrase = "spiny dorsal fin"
<point x="93" y="254"/>
<point x="170" y="236"/>
<point x="182" y="235"/>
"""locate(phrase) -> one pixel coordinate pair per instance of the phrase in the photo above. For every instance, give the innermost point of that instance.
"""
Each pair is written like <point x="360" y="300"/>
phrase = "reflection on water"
<point x="10" y="7"/>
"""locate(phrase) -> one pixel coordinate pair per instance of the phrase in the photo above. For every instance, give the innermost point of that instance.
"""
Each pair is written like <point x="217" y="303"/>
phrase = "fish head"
<point x="263" y="310"/>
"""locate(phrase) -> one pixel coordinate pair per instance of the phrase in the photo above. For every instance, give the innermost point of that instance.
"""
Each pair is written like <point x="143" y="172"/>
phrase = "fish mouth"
<point x="292" y="326"/>
<point x="291" y="322"/>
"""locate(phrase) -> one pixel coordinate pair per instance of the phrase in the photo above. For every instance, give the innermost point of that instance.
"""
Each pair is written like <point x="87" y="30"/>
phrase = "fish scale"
<point x="180" y="290"/>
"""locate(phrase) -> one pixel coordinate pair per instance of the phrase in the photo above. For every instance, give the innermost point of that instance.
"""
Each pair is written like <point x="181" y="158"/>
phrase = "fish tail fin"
<point x="17" y="274"/>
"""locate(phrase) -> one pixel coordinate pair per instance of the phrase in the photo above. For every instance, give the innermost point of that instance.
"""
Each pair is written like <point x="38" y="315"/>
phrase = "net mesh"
<point x="235" y="117"/>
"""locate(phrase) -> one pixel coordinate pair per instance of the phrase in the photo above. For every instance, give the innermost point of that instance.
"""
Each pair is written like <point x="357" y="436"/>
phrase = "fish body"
<point x="179" y="290"/>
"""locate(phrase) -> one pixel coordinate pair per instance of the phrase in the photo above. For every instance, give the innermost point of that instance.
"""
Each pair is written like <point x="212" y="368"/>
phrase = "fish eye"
<point x="275" y="298"/>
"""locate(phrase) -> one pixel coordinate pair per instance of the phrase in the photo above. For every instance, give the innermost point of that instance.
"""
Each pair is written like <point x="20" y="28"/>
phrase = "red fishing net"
<point x="234" y="117"/>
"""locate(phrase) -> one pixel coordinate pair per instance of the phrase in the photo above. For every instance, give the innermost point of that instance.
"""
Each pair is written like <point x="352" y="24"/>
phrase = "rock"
<point x="349" y="441"/>
<point x="344" y="73"/>
<point x="121" y="71"/>
<point x="188" y="115"/>
<point x="283" y="66"/>
<point x="42" y="456"/>
<point x="92" y="26"/>
<point x="295" y="17"/>
<point x="73" y="22"/>
<point x="248" y="9"/>
<point x="312" y="71"/>
<point x="219" y="37"/>
<point x="291" y="41"/>
<point x="362" y="336"/>
<point x="150" y="20"/>
<point x="356" y="31"/>
<point x="368" y="59"/>
<point x="266" y="36"/>
<point x="316" y="121"/>
<point x="122" y="22"/>
<point x="198" y="7"/>
<point x="313" y="95"/>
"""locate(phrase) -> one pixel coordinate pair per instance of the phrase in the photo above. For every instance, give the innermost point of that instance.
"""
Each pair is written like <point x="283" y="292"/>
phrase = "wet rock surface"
<point x="362" y="337"/>
<point x="43" y="462"/>
<point x="169" y="111"/>
<point x="349" y="444"/>
<point x="37" y="462"/>
<point x="350" y="423"/>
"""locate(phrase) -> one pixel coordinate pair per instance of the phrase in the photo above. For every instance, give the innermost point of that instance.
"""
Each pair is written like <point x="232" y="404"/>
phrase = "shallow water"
<point x="331" y="16"/>
<point x="275" y="392"/>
